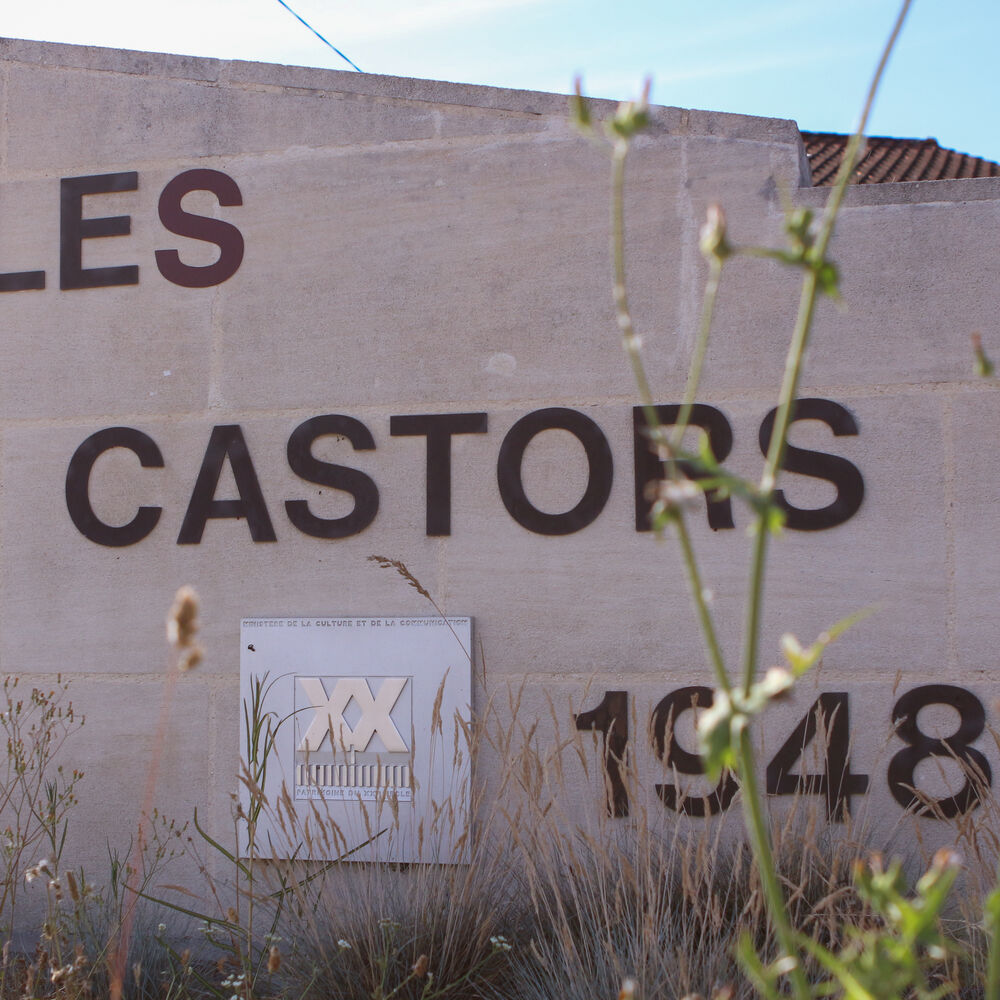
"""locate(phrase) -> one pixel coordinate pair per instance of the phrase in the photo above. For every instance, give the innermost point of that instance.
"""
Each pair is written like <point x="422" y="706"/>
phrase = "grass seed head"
<point x="190" y="658"/>
<point x="182" y="622"/>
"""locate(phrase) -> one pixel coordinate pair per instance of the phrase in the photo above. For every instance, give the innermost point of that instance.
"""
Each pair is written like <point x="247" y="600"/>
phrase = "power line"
<point x="318" y="35"/>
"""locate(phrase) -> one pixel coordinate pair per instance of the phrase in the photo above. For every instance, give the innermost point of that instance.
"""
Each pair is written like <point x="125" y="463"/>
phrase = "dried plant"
<point x="37" y="792"/>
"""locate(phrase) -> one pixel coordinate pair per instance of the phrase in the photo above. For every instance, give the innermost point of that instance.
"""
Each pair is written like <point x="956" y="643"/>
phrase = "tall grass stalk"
<point x="182" y="627"/>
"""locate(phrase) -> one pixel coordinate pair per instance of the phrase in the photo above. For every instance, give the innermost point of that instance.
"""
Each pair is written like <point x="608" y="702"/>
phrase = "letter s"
<point x="834" y="469"/>
<point x="224" y="235"/>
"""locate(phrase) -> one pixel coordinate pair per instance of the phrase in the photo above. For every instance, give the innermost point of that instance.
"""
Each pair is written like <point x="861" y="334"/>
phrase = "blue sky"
<point x="797" y="59"/>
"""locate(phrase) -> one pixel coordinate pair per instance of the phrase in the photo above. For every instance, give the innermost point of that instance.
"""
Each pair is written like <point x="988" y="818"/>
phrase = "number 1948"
<point x="829" y="718"/>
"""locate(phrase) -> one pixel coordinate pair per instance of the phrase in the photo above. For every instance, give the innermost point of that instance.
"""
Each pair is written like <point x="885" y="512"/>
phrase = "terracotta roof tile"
<point x="886" y="160"/>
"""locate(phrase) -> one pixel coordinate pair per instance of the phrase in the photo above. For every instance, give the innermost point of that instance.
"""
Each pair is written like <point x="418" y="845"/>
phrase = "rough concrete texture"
<point x="414" y="247"/>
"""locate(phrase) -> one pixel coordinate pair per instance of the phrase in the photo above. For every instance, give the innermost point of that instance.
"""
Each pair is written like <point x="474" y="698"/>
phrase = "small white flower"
<point x="679" y="492"/>
<point x="343" y="945"/>
<point x="160" y="928"/>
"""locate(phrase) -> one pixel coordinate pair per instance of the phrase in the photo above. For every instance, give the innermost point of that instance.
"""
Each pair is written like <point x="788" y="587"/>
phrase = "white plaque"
<point x="364" y="723"/>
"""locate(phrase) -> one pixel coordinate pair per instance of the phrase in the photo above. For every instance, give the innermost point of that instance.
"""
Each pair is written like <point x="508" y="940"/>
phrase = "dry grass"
<point x="545" y="907"/>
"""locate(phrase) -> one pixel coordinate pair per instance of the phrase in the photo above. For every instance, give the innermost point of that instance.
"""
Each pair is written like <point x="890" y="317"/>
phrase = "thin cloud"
<point x="761" y="62"/>
<point x="388" y="19"/>
<point x="729" y="67"/>
<point x="246" y="30"/>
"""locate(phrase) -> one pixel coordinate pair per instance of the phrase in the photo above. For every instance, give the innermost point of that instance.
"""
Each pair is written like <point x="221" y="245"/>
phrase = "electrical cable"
<point x="319" y="36"/>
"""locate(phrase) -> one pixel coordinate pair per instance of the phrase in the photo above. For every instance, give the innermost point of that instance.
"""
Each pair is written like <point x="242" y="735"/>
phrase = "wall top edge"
<point x="956" y="190"/>
<point x="222" y="72"/>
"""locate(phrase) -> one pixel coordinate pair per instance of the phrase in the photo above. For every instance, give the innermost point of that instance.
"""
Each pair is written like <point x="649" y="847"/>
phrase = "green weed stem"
<point x="794" y="358"/>
<point x="709" y="299"/>
<point x="819" y="276"/>
<point x="789" y="390"/>
<point x="992" y="923"/>
<point x="760" y="839"/>
<point x="633" y="350"/>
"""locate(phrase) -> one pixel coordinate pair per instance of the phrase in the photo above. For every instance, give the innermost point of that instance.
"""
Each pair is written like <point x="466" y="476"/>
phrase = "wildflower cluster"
<point x="235" y="982"/>
<point x="43" y="867"/>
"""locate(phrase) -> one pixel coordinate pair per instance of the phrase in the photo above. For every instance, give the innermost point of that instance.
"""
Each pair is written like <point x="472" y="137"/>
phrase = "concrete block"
<point x="395" y="247"/>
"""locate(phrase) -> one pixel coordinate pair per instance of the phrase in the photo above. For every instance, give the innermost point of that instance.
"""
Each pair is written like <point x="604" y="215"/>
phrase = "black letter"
<point x="438" y="428"/>
<point x="227" y="441"/>
<point x="22" y="281"/>
<point x="78" y="483"/>
<point x="598" y="481"/>
<point x="649" y="469"/>
<point x="225" y="236"/>
<point x="74" y="229"/>
<point x="833" y="468"/>
<point x="338" y="477"/>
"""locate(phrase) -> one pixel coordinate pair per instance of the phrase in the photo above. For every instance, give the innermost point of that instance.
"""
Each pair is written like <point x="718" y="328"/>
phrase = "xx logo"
<point x="375" y="714"/>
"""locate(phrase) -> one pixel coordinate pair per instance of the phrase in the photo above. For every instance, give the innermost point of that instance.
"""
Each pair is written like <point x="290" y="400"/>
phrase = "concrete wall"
<point x="422" y="248"/>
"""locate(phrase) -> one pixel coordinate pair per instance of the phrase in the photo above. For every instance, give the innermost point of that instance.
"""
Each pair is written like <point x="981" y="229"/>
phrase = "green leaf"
<point x="991" y="910"/>
<point x="798" y="226"/>
<point x="775" y="520"/>
<point x="631" y="117"/>
<point x="840" y="970"/>
<point x="763" y="978"/>
<point x="215" y="845"/>
<point x="207" y="918"/>
<point x="705" y="453"/>
<point x="770" y="517"/>
<point x="800" y="660"/>
<point x="579" y="109"/>
<point x="829" y="279"/>
<point x="984" y="365"/>
<point x="629" y="121"/>
<point x="991" y="914"/>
